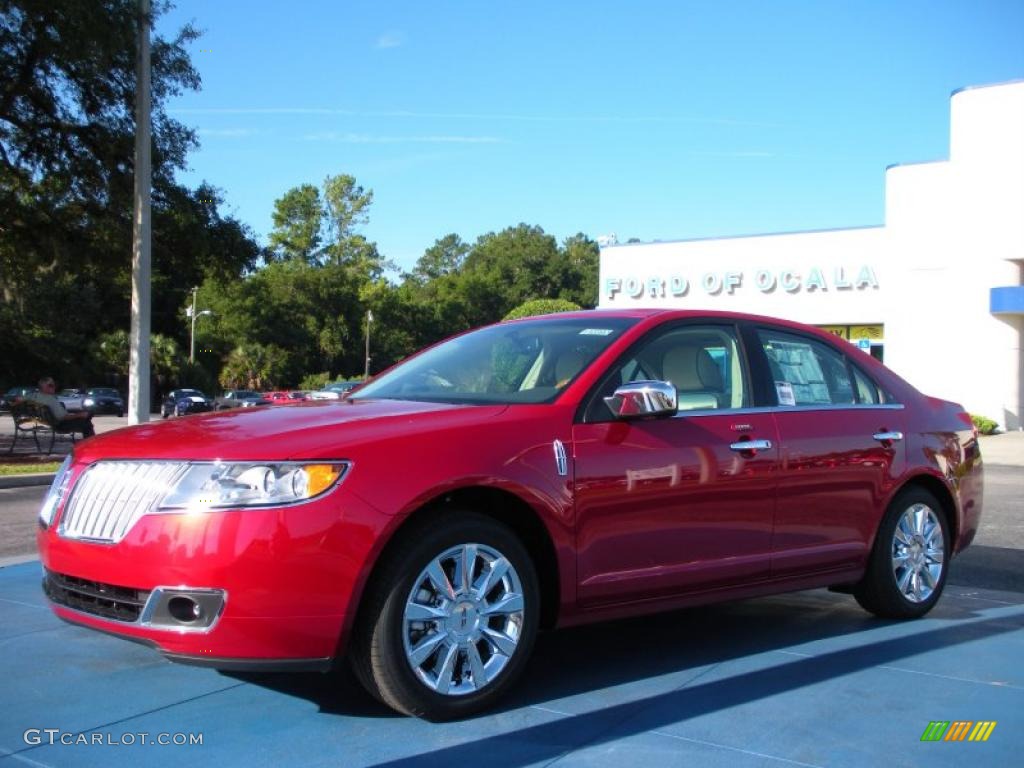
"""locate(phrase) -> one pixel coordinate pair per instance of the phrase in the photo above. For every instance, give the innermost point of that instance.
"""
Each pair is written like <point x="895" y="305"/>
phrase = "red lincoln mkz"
<point x="549" y="471"/>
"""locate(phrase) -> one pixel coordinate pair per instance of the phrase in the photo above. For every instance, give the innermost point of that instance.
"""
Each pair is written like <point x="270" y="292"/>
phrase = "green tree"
<point x="253" y="366"/>
<point x="444" y="257"/>
<point x="346" y="207"/>
<point x="297" y="217"/>
<point x="67" y="99"/>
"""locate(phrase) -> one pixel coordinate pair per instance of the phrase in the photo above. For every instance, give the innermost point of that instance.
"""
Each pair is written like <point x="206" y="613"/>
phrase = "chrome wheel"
<point x="463" y="619"/>
<point x="918" y="553"/>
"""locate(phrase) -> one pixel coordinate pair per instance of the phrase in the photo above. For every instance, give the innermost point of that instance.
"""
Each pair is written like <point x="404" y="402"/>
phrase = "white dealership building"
<point x="937" y="292"/>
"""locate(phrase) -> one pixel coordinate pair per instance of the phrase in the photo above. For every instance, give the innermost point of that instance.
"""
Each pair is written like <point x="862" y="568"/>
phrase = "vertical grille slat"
<point x="112" y="495"/>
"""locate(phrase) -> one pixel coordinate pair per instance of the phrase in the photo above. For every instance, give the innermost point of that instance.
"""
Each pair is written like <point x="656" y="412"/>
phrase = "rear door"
<point x="840" y="451"/>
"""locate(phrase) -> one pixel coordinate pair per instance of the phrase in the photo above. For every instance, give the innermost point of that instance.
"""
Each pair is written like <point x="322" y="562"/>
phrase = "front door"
<point x="675" y="505"/>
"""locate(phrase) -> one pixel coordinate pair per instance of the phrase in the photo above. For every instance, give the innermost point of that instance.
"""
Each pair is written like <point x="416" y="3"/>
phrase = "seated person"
<point x="66" y="422"/>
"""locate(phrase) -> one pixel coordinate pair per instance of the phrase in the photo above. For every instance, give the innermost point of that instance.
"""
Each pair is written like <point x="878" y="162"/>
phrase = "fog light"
<point x="184" y="608"/>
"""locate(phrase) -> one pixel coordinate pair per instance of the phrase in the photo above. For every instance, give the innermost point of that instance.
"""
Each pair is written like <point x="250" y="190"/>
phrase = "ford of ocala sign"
<point x="763" y="280"/>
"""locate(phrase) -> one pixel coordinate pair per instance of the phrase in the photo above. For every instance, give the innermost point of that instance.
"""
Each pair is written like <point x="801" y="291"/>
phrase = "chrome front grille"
<point x="111" y="496"/>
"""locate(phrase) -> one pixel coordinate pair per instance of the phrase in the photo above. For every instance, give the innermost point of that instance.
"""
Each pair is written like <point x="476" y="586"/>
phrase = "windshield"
<point x="525" y="362"/>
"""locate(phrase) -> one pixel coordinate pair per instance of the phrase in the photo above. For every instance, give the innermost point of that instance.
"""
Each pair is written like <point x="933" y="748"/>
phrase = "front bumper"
<point x="288" y="576"/>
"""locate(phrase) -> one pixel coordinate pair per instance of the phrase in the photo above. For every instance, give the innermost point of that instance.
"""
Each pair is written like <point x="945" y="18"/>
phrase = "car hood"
<point x="309" y="430"/>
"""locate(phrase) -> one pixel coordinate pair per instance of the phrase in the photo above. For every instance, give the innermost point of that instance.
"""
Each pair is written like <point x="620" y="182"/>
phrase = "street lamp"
<point x="369" y="319"/>
<point x="191" y="312"/>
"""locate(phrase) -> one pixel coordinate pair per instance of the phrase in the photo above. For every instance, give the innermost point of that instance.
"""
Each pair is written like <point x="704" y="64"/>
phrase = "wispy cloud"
<point x="365" y="138"/>
<point x="731" y="153"/>
<point x="626" y="118"/>
<point x="391" y="40"/>
<point x="227" y="133"/>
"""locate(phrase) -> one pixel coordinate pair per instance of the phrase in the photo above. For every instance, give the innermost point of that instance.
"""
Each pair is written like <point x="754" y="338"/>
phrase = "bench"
<point x="35" y="419"/>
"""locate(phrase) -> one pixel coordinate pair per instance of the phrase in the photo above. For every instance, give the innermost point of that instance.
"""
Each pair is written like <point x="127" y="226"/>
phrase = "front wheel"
<point x="908" y="565"/>
<point x="450" y="621"/>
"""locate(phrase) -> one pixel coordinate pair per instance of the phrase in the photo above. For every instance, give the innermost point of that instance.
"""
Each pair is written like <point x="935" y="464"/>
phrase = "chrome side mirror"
<point x="639" y="399"/>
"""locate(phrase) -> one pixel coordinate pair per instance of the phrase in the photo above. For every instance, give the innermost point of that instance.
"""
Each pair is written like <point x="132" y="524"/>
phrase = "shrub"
<point x="984" y="424"/>
<point x="541" y="307"/>
<point x="314" y="380"/>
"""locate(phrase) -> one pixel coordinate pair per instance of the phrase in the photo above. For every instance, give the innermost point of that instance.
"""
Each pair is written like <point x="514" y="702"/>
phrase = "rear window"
<point x="806" y="372"/>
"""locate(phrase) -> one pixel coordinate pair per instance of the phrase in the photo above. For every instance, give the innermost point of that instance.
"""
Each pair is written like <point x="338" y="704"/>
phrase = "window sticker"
<point x="596" y="331"/>
<point x="784" y="391"/>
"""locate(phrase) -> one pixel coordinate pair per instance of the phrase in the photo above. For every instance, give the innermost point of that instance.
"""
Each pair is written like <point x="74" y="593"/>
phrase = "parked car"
<point x="543" y="472"/>
<point x="239" y="398"/>
<point x="180" y="402"/>
<point x="100" y="400"/>
<point x="13" y="395"/>
<point x="324" y="394"/>
<point x="72" y="399"/>
<point x="284" y="397"/>
<point x="343" y="387"/>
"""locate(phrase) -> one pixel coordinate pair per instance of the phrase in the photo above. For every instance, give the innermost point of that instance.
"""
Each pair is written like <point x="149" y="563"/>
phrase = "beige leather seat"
<point x="566" y="366"/>
<point x="698" y="381"/>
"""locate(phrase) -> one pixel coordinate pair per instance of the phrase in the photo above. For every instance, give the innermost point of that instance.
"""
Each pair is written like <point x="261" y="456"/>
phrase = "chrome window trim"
<point x="789" y="409"/>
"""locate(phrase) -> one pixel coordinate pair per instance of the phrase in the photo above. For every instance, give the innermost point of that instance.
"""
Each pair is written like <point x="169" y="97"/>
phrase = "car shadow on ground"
<point x="989" y="568"/>
<point x="598" y="657"/>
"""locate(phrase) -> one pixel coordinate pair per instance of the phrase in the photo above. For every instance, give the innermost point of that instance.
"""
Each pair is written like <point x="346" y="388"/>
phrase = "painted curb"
<point x="25" y="481"/>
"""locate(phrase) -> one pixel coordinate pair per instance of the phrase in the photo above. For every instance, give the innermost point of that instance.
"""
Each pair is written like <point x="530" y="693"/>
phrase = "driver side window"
<point x="703" y="363"/>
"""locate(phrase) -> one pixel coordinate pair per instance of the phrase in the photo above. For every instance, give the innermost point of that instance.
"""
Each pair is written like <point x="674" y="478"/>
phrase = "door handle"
<point x="888" y="437"/>
<point x="750" y="445"/>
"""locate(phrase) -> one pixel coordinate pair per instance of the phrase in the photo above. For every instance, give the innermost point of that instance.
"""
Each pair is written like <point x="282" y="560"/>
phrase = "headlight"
<point x="88" y="401"/>
<point x="251" y="484"/>
<point x="56" y="492"/>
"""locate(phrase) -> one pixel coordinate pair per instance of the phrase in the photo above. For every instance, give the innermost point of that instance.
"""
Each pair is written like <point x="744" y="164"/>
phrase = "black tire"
<point x="378" y="651"/>
<point x="879" y="591"/>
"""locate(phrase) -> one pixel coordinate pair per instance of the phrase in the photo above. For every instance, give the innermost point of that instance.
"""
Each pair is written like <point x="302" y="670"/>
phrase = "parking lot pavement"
<point x="806" y="679"/>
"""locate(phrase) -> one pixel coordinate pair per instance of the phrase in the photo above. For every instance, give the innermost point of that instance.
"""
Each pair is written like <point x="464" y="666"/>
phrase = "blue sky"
<point x="657" y="120"/>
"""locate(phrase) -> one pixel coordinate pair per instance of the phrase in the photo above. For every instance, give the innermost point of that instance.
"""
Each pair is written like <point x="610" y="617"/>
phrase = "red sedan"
<point x="544" y="472"/>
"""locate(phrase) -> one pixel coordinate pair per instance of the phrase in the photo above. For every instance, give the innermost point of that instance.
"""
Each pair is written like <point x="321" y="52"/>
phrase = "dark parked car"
<point x="180" y="402"/>
<point x="544" y="472"/>
<point x="13" y="395"/>
<point x="239" y="398"/>
<point x="100" y="400"/>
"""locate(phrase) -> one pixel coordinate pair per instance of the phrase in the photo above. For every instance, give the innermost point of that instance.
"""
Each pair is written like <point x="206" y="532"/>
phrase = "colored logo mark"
<point x="958" y="730"/>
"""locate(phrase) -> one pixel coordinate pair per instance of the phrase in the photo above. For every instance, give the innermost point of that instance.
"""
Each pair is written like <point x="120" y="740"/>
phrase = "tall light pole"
<point x="138" y="355"/>
<point x="191" y="312"/>
<point x="369" y="319"/>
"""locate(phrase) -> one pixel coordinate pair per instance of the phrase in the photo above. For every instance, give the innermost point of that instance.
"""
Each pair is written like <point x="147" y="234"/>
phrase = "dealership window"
<point x="806" y="372"/>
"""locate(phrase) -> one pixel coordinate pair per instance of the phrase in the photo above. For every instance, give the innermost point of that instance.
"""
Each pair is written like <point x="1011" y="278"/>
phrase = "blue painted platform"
<point x="806" y="679"/>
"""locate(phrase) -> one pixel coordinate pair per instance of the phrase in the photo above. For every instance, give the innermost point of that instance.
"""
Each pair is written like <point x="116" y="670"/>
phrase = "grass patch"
<point x="28" y="468"/>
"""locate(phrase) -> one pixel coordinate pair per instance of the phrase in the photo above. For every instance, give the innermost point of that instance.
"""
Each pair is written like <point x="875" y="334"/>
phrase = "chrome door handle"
<point x="751" y="445"/>
<point x="888" y="437"/>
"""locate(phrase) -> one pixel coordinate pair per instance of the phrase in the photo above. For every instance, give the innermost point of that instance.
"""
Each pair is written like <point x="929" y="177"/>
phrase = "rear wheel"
<point x="450" y="621"/>
<point x="908" y="565"/>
